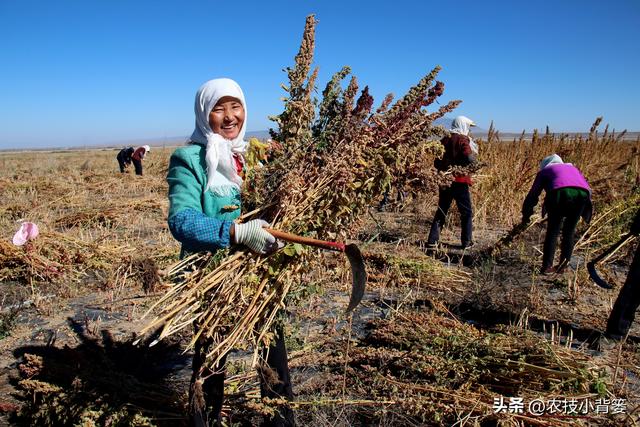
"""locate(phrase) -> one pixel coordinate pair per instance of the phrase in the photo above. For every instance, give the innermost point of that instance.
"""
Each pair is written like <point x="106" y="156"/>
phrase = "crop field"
<point x="96" y="327"/>
<point x="435" y="341"/>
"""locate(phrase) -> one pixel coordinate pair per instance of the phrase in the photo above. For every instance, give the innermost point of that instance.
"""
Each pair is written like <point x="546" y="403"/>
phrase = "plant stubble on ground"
<point x="435" y="341"/>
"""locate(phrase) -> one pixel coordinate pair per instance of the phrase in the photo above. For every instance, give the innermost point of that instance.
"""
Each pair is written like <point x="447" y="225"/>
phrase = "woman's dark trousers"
<point x="459" y="192"/>
<point x="138" y="165"/>
<point x="207" y="387"/>
<point x="564" y="213"/>
<point x="121" y="163"/>
<point x="628" y="301"/>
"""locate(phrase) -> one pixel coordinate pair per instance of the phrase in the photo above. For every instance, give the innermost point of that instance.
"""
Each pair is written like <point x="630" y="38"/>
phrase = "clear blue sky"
<point x="84" y="72"/>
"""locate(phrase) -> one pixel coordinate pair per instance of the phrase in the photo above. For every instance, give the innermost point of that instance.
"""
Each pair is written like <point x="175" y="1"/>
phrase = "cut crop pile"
<point x="91" y="221"/>
<point x="99" y="382"/>
<point x="425" y="367"/>
<point x="420" y="368"/>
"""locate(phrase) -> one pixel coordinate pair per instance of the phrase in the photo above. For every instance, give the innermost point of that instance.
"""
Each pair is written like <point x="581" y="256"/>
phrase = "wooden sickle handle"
<point x="332" y="246"/>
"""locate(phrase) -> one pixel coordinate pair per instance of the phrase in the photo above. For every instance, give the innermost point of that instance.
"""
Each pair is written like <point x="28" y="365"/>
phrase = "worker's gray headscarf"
<point x="550" y="160"/>
<point x="461" y="125"/>
<point x="222" y="176"/>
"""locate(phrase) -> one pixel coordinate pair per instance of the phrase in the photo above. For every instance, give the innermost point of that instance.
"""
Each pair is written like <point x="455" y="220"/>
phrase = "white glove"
<point x="253" y="235"/>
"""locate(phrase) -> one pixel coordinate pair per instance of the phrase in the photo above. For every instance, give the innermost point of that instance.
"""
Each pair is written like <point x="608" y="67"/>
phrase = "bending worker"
<point x="137" y="157"/>
<point x="568" y="197"/>
<point x="124" y="158"/>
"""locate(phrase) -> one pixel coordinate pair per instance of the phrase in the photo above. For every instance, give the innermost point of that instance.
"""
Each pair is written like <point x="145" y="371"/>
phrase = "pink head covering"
<point x="27" y="231"/>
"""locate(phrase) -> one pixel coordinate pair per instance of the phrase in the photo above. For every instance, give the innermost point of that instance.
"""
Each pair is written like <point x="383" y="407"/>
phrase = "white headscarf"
<point x="461" y="125"/>
<point x="222" y="176"/>
<point x="550" y="160"/>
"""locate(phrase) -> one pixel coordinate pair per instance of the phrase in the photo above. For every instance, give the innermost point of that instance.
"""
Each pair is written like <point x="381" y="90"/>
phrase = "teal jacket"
<point x="198" y="219"/>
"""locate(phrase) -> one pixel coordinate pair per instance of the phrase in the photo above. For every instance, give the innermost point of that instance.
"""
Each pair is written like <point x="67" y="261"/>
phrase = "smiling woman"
<point x="204" y="179"/>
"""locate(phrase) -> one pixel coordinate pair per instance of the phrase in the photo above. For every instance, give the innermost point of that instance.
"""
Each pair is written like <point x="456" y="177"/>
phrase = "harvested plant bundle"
<point x="54" y="256"/>
<point x="81" y="218"/>
<point x="330" y="169"/>
<point x="116" y="212"/>
<point x="58" y="258"/>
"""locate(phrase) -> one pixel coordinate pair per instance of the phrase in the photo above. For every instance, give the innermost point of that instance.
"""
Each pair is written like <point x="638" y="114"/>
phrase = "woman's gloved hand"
<point x="253" y="235"/>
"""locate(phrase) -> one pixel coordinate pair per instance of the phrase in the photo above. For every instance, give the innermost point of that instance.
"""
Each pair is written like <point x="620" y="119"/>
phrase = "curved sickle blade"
<point x="591" y="265"/>
<point x="591" y="268"/>
<point x="358" y="274"/>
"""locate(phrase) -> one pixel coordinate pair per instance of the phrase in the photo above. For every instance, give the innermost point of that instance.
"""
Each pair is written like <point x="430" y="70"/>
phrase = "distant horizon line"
<point x="176" y="140"/>
<point x="263" y="134"/>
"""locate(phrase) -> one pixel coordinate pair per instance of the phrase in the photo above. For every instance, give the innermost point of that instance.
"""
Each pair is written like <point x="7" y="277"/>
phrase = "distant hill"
<point x="260" y="134"/>
<point x="443" y="121"/>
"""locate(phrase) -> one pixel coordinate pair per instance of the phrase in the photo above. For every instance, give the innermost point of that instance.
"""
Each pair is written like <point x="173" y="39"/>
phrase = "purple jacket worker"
<point x="568" y="198"/>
